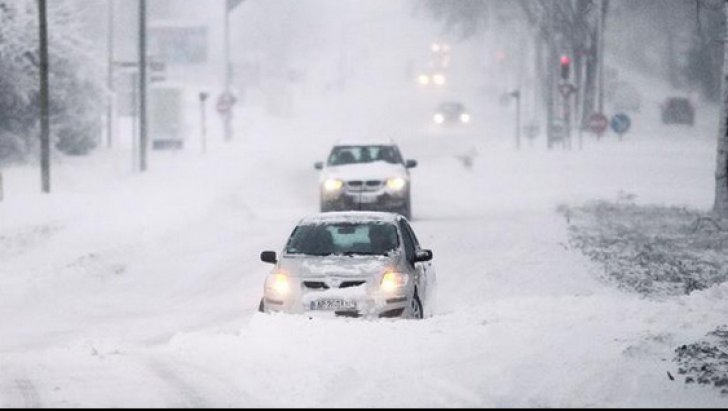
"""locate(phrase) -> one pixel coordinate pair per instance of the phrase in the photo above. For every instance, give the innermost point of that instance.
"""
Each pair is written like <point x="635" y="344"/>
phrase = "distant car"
<point x="365" y="176"/>
<point x="450" y="113"/>
<point x="678" y="110"/>
<point x="353" y="264"/>
<point x="431" y="78"/>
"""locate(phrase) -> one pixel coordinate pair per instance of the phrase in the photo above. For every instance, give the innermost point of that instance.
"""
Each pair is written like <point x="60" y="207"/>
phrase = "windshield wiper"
<point x="305" y="253"/>
<point x="350" y="253"/>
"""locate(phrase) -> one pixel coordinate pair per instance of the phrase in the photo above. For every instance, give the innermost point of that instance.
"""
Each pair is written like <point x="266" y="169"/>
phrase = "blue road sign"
<point x="620" y="123"/>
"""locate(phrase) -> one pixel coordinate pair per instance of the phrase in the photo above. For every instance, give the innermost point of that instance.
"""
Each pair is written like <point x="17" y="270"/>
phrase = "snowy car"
<point x="365" y="176"/>
<point x="451" y="113"/>
<point x="353" y="264"/>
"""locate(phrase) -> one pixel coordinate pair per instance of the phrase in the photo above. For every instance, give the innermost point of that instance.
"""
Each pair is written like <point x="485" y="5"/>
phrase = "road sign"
<point x="597" y="123"/>
<point x="620" y="123"/>
<point x="225" y="102"/>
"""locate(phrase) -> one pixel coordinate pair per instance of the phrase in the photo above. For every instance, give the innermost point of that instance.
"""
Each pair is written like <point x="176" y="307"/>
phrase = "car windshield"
<point x="345" y="238"/>
<point x="342" y="155"/>
<point x="452" y="107"/>
<point x="679" y="104"/>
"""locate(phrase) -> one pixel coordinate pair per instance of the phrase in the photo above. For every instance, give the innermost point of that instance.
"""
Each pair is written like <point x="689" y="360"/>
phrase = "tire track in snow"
<point x="190" y="396"/>
<point x="28" y="393"/>
<point x="218" y="391"/>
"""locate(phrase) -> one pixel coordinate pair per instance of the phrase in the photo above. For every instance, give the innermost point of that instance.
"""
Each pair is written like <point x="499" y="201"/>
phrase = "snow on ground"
<point x="127" y="290"/>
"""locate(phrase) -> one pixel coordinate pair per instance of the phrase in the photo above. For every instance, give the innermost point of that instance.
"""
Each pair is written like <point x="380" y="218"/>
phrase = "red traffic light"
<point x="565" y="61"/>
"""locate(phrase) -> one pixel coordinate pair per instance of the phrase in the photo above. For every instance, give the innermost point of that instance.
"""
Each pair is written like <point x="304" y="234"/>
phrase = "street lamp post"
<point x="110" y="75"/>
<point x="203" y="123"/>
<point x="228" y="74"/>
<point x="142" y="85"/>
<point x="227" y="116"/>
<point x="517" y="95"/>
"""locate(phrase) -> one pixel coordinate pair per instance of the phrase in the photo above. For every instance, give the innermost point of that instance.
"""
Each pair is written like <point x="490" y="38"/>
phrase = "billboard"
<point x="179" y="44"/>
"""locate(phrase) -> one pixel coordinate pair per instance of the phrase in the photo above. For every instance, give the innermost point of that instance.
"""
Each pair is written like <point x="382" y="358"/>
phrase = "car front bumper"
<point x="368" y="303"/>
<point x="365" y="201"/>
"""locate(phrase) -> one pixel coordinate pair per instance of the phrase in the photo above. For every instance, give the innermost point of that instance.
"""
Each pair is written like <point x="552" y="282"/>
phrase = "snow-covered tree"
<point x="75" y="82"/>
<point x="721" y="170"/>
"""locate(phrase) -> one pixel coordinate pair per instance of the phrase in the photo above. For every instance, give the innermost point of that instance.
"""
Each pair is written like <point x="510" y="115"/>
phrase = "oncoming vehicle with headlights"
<point x="353" y="264"/>
<point x="451" y="113"/>
<point x="365" y="176"/>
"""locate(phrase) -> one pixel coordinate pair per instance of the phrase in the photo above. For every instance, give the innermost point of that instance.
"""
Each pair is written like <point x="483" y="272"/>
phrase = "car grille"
<point x="364" y="185"/>
<point x="316" y="285"/>
<point x="320" y="285"/>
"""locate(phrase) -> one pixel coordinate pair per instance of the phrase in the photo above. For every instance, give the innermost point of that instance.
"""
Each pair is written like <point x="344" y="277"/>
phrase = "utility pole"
<point x="228" y="73"/>
<point x="45" y="144"/>
<point x="142" y="85"/>
<point x="227" y="117"/>
<point x="602" y="11"/>
<point x="110" y="76"/>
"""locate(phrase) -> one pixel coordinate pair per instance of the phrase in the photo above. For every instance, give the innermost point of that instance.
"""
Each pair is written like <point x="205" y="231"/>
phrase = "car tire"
<point x="261" y="306"/>
<point x="415" y="308"/>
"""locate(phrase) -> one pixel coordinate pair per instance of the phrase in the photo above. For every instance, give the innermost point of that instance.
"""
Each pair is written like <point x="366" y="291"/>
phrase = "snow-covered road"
<point x="128" y="290"/>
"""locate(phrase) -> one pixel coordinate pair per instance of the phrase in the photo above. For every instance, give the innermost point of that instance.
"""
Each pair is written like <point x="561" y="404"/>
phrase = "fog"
<point x="558" y="162"/>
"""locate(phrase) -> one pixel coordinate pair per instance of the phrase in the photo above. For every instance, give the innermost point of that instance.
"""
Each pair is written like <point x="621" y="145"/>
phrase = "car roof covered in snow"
<point x="365" y="142"/>
<point x="349" y="216"/>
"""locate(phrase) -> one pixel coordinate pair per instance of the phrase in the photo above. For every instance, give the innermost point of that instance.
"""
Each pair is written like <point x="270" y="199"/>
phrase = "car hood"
<point x="379" y="170"/>
<point x="337" y="266"/>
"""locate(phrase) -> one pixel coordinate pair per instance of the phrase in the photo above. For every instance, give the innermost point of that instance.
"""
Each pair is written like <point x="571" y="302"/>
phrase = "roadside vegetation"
<point x="659" y="252"/>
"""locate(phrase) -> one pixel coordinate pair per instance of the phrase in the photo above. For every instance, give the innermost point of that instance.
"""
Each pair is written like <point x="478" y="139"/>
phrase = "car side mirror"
<point x="410" y="163"/>
<point x="318" y="165"/>
<point x="423" y="255"/>
<point x="268" y="257"/>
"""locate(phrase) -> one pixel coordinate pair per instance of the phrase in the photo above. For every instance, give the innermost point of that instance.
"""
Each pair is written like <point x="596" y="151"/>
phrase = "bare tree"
<point x="720" y="206"/>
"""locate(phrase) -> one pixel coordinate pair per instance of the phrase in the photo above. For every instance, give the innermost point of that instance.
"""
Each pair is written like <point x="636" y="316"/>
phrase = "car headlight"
<point x="333" y="184"/>
<point x="438" y="118"/>
<point x="392" y="281"/>
<point x="465" y="117"/>
<point x="396" y="183"/>
<point x="278" y="283"/>
<point x="438" y="79"/>
<point x="423" y="79"/>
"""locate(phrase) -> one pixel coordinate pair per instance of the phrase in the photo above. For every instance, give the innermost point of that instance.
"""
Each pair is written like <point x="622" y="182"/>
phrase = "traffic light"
<point x="565" y="62"/>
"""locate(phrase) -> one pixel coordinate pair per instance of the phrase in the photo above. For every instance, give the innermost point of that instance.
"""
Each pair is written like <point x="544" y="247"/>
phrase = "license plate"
<point x="333" y="304"/>
<point x="367" y="198"/>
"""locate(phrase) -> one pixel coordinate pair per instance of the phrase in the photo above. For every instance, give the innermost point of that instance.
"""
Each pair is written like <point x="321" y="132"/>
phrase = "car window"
<point x="411" y="233"/>
<point x="371" y="238"/>
<point x="342" y="155"/>
<point x="409" y="244"/>
<point x="452" y="107"/>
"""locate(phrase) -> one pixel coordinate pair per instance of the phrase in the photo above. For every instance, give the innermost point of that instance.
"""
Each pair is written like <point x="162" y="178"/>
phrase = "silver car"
<point x="365" y="176"/>
<point x="354" y="264"/>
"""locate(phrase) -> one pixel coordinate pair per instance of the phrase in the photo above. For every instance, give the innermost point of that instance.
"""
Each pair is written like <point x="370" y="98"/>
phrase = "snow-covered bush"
<point x="706" y="361"/>
<point x="75" y="84"/>
<point x="653" y="250"/>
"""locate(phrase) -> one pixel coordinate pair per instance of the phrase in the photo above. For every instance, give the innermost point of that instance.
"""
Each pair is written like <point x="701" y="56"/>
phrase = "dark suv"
<point x="678" y="110"/>
<point x="366" y="176"/>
